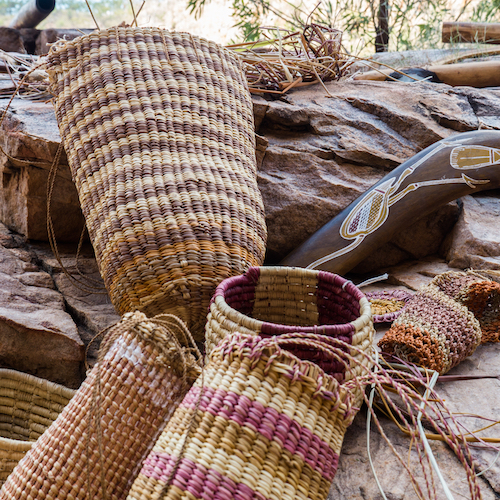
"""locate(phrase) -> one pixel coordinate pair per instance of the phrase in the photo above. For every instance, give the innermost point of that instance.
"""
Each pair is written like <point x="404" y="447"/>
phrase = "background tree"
<point x="368" y="25"/>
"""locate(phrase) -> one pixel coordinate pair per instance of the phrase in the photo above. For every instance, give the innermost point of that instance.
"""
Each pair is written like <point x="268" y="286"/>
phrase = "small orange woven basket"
<point x="95" y="448"/>
<point x="158" y="129"/>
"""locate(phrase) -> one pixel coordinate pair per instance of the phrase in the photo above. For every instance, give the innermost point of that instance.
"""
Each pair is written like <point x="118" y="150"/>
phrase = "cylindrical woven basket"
<point x="480" y="295"/>
<point x="433" y="331"/>
<point x="96" y="446"/>
<point x="260" y="424"/>
<point x="28" y="406"/>
<point x="159" y="132"/>
<point x="270" y="301"/>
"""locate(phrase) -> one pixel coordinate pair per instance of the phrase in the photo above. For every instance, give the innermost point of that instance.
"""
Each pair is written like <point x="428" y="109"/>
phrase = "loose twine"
<point x="97" y="287"/>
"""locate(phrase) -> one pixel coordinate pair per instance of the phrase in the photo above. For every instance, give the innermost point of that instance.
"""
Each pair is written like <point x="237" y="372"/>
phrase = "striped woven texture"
<point x="387" y="304"/>
<point x="260" y="424"/>
<point x="271" y="301"/>
<point x="28" y="406"/>
<point x="433" y="331"/>
<point x="480" y="295"/>
<point x="96" y="446"/>
<point x="158" y="129"/>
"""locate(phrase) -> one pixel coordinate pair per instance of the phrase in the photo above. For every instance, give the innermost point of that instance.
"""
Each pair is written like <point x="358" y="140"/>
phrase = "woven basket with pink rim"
<point x="270" y="301"/>
<point x="266" y="421"/>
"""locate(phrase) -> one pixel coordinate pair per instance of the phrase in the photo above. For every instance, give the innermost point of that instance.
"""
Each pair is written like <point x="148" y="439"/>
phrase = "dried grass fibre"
<point x="283" y="60"/>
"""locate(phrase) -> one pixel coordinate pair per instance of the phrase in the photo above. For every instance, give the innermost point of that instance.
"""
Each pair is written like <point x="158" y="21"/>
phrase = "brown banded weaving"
<point x="158" y="129"/>
<point x="433" y="331"/>
<point x="480" y="295"/>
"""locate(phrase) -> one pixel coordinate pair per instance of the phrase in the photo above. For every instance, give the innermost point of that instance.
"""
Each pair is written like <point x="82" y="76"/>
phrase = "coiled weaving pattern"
<point x="95" y="447"/>
<point x="158" y="128"/>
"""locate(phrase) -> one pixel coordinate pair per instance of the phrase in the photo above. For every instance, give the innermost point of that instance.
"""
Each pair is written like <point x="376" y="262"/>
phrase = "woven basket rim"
<point x="62" y="45"/>
<point x="365" y="315"/>
<point x="402" y="295"/>
<point x="35" y="382"/>
<point x="308" y="371"/>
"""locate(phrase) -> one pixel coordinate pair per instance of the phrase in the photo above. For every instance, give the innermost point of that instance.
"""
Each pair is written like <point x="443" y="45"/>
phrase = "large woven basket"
<point x="158" y="128"/>
<point x="28" y="406"/>
<point x="261" y="423"/>
<point x="96" y="446"/>
<point x="270" y="301"/>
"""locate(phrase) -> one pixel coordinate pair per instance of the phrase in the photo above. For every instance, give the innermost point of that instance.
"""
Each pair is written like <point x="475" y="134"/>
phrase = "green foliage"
<point x="74" y="13"/>
<point x="413" y="24"/>
<point x="486" y="11"/>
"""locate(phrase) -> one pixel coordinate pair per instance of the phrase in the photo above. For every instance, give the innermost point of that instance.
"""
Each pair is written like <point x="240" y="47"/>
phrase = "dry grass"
<point x="26" y="74"/>
<point x="282" y="60"/>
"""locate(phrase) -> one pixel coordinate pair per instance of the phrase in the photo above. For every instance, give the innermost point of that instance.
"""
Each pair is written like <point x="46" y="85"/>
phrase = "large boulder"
<point x="47" y="320"/>
<point x="316" y="154"/>
<point x="324" y="151"/>
<point x="37" y="335"/>
<point x="29" y="140"/>
<point x="475" y="240"/>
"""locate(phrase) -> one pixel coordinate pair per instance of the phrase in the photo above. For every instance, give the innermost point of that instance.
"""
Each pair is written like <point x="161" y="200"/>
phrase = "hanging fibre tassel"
<point x="260" y="423"/>
<point x="95" y="447"/>
<point x="433" y="331"/>
<point x="158" y="129"/>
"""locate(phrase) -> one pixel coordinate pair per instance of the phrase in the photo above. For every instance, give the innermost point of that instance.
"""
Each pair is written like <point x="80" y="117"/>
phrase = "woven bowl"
<point x="158" y="129"/>
<point x="262" y="423"/>
<point x="28" y="406"/>
<point x="387" y="304"/>
<point x="271" y="301"/>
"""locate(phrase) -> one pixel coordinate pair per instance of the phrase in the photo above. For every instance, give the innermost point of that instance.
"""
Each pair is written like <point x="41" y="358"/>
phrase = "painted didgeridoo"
<point x="453" y="167"/>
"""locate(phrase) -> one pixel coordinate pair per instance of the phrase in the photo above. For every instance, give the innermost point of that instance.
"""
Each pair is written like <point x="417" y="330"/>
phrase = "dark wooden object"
<point x="455" y="32"/>
<point x="453" y="167"/>
<point x="473" y="74"/>
<point x="33" y="13"/>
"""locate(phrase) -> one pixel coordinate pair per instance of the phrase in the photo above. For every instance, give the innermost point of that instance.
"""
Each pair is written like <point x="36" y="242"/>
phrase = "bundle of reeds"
<point x="285" y="60"/>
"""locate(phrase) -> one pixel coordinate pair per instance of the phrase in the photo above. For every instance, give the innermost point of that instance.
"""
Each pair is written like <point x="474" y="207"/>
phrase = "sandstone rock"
<point x="326" y="151"/>
<point x="415" y="274"/>
<point x="316" y="154"/>
<point x="475" y="240"/>
<point x="11" y="40"/>
<point x="30" y="137"/>
<point x="37" y="335"/>
<point x="85" y="297"/>
<point x="354" y="479"/>
<point x="478" y="397"/>
<point x="29" y="36"/>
